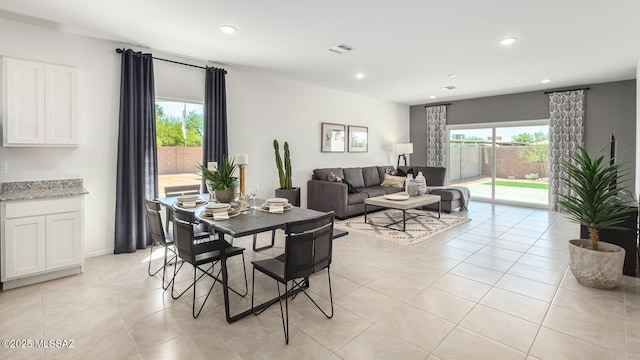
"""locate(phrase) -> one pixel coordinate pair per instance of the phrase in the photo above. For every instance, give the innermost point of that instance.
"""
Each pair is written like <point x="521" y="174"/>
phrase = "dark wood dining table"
<point x="256" y="221"/>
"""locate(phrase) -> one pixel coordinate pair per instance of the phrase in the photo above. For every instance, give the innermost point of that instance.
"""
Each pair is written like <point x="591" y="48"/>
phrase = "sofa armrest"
<point x="327" y="196"/>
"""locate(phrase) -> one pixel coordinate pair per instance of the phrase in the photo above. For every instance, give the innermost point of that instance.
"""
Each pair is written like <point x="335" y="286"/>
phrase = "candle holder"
<point x="242" y="160"/>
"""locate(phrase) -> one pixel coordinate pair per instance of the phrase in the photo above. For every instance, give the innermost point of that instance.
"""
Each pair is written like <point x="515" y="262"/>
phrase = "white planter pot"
<point x="597" y="269"/>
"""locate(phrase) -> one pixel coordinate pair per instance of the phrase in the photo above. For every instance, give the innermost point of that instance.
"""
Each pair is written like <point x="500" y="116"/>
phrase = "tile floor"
<point x="494" y="288"/>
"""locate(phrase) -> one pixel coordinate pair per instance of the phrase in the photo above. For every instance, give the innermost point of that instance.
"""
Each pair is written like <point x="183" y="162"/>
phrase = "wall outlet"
<point x="3" y="167"/>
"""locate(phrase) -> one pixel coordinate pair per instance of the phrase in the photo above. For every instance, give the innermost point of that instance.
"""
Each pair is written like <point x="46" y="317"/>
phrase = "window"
<point x="179" y="130"/>
<point x="501" y="162"/>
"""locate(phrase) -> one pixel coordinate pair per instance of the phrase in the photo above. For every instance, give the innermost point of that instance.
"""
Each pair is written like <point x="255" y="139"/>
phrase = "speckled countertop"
<point x="41" y="189"/>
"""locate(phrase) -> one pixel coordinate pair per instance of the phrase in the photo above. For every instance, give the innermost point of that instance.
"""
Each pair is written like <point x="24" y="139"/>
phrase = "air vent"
<point x="449" y="88"/>
<point x="341" y="48"/>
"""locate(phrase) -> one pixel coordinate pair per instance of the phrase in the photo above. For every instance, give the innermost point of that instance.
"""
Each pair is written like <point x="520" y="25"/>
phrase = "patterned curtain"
<point x="566" y="133"/>
<point x="436" y="134"/>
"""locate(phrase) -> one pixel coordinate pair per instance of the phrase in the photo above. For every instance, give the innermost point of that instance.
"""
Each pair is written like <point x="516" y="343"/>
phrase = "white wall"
<point x="261" y="107"/>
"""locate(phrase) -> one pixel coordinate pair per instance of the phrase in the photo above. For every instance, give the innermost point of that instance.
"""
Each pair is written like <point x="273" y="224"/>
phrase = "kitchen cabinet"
<point x="39" y="104"/>
<point x="41" y="238"/>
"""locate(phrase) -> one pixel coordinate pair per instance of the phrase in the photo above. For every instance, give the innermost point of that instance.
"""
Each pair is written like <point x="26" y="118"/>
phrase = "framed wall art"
<point x="332" y="138"/>
<point x="358" y="138"/>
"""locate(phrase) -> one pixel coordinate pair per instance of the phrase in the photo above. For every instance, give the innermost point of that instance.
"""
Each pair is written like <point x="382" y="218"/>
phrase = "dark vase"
<point x="293" y="195"/>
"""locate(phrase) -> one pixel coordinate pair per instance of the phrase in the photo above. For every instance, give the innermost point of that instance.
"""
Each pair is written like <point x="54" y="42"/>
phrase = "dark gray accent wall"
<point x="610" y="108"/>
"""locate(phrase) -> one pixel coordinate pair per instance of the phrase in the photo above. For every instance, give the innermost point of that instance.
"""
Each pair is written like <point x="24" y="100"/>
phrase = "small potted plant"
<point x="286" y="189"/>
<point x="596" y="205"/>
<point x="222" y="181"/>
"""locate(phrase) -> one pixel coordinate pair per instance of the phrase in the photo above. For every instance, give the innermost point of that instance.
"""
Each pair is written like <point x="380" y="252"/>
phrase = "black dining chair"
<point x="159" y="238"/>
<point x="164" y="238"/>
<point x="199" y="255"/>
<point x="307" y="250"/>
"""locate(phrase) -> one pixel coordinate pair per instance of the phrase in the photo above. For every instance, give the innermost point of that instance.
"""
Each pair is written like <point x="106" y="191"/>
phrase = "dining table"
<point x="255" y="221"/>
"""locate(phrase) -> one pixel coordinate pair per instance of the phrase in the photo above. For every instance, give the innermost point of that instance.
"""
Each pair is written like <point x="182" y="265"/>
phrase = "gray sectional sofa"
<point x="324" y="195"/>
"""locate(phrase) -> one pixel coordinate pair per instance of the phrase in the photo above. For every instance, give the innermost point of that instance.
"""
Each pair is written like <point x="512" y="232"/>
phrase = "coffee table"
<point x="413" y="202"/>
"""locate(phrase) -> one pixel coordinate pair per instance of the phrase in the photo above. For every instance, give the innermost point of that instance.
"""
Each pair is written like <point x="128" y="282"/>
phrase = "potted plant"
<point x="286" y="189"/>
<point x="222" y="181"/>
<point x="596" y="205"/>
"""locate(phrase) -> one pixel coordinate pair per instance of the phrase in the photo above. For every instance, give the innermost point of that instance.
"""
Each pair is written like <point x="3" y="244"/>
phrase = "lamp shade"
<point x="242" y="159"/>
<point x="406" y="148"/>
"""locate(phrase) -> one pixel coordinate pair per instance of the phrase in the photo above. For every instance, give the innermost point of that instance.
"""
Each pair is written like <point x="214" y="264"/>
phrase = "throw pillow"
<point x="395" y="181"/>
<point x="333" y="177"/>
<point x="390" y="172"/>
<point x="350" y="188"/>
<point x="403" y="173"/>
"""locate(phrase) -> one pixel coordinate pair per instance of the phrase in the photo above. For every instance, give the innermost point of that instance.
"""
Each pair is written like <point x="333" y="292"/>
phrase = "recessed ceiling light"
<point x="507" y="41"/>
<point x="545" y="81"/>
<point x="227" y="29"/>
<point x="451" y="75"/>
<point x="432" y="97"/>
<point x="359" y="75"/>
<point x="449" y="88"/>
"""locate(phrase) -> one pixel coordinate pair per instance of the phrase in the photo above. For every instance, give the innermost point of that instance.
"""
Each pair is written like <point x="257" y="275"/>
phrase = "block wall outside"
<point x="470" y="161"/>
<point x="178" y="159"/>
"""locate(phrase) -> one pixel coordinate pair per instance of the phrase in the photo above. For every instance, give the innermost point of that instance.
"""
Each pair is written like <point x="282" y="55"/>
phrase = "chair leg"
<point x="193" y="308"/>
<point x="149" y="269"/>
<point x="301" y="286"/>
<point x="285" y="323"/>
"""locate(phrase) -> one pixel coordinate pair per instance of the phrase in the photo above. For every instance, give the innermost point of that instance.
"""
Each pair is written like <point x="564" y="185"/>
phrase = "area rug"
<point x="422" y="228"/>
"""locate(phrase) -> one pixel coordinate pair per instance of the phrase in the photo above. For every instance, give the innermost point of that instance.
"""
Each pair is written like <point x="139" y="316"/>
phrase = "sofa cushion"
<point x="350" y="188"/>
<point x="446" y="195"/>
<point x="387" y="189"/>
<point x="372" y="191"/>
<point x="323" y="174"/>
<point x="435" y="176"/>
<point x="395" y="181"/>
<point x="383" y="170"/>
<point x="406" y="170"/>
<point x="371" y="177"/>
<point x="357" y="198"/>
<point x="353" y="176"/>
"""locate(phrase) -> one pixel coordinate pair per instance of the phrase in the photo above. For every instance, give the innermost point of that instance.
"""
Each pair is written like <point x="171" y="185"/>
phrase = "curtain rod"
<point x="120" y="51"/>
<point x="437" y="104"/>
<point x="555" y="91"/>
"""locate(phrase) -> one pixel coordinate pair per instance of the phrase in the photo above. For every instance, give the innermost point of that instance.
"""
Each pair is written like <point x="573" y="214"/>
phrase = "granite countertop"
<point x="41" y="189"/>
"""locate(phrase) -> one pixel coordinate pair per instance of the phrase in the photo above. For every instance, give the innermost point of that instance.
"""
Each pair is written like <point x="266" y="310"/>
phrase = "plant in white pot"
<point x="222" y="181"/>
<point x="596" y="205"/>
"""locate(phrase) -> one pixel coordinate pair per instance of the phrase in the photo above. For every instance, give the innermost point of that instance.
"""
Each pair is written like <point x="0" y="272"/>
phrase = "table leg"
<point x="439" y="208"/>
<point x="404" y="220"/>
<point x="365" y="213"/>
<point x="225" y="276"/>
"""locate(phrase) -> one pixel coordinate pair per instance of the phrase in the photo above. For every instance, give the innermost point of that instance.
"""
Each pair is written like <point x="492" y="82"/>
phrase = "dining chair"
<point x="159" y="238"/>
<point x="307" y="250"/>
<point x="199" y="255"/>
<point x="164" y="238"/>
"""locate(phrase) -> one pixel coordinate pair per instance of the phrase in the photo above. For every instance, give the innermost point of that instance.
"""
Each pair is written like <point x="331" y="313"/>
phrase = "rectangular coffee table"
<point x="413" y="202"/>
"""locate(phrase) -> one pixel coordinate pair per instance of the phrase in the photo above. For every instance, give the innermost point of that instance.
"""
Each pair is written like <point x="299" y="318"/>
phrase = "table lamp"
<point x="403" y="149"/>
<point x="242" y="160"/>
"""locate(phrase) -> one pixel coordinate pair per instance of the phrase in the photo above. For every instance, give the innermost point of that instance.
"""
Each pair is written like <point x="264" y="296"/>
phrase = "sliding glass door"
<point x="501" y="162"/>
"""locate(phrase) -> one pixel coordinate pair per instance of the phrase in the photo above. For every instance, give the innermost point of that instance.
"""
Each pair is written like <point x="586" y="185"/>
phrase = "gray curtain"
<point x="566" y="133"/>
<point x="215" y="145"/>
<point x="436" y="134"/>
<point x="137" y="167"/>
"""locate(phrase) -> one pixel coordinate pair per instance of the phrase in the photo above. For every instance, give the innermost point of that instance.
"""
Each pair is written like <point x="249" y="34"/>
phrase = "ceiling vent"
<point x="341" y="49"/>
<point x="449" y="88"/>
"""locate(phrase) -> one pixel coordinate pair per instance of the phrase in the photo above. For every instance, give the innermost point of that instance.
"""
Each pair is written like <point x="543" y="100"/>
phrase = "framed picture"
<point x="332" y="138"/>
<point x="358" y="138"/>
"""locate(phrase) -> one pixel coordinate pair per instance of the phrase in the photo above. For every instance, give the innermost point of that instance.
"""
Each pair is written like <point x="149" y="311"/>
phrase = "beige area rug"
<point x="419" y="229"/>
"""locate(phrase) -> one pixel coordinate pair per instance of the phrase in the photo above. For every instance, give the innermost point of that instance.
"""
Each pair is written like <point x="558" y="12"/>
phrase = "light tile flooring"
<point x="494" y="288"/>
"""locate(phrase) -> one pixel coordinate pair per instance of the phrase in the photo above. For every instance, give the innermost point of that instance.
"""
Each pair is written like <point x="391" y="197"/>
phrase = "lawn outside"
<point x="524" y="191"/>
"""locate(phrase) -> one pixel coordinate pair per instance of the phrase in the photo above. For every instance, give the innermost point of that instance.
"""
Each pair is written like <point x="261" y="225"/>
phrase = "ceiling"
<point x="405" y="48"/>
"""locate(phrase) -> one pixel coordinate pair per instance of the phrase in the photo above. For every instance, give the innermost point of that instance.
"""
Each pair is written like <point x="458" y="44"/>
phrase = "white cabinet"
<point x="41" y="240"/>
<point x="39" y="104"/>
